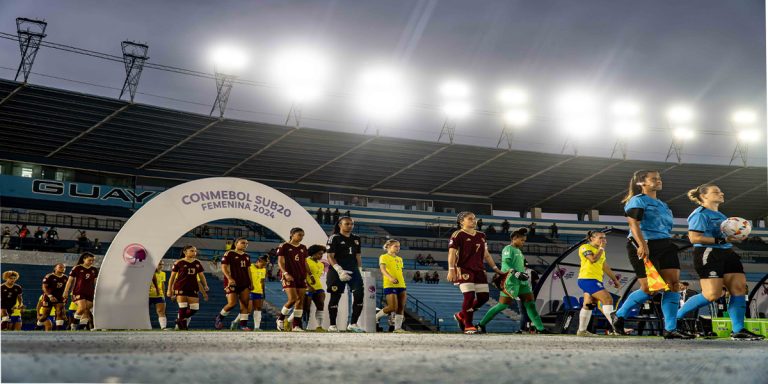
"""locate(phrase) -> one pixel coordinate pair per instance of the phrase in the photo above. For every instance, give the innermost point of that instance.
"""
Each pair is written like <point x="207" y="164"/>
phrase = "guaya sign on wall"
<point x="89" y="191"/>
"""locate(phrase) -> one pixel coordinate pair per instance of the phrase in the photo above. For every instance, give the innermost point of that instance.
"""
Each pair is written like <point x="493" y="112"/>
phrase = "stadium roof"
<point x="57" y="127"/>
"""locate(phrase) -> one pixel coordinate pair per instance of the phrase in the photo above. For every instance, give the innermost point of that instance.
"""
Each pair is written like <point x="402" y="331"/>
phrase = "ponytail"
<point x="695" y="194"/>
<point x="635" y="184"/>
<point x="522" y="232"/>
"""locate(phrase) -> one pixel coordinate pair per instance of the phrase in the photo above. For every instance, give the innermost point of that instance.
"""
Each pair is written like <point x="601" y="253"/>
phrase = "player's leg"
<point x="670" y="300"/>
<point x="529" y="302"/>
<point x="607" y="309"/>
<point x="358" y="294"/>
<point x="319" y="299"/>
<point x="257" y="304"/>
<point x="60" y="316"/>
<point x="464" y="317"/>
<point x="635" y="298"/>
<point x="585" y="315"/>
<point x="232" y="300"/>
<point x="400" y="311"/>
<point x="194" y="307"/>
<point x="298" y="309"/>
<point x="160" y="310"/>
<point x="6" y="319"/>
<point x="391" y="297"/>
<point x="42" y="316"/>
<point x="286" y="309"/>
<point x="82" y="311"/>
<point x="504" y="303"/>
<point x="244" y="299"/>
<point x="181" y="318"/>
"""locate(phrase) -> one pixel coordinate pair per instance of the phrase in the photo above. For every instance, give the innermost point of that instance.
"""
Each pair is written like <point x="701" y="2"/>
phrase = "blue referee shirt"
<point x="707" y="222"/>
<point x="657" y="217"/>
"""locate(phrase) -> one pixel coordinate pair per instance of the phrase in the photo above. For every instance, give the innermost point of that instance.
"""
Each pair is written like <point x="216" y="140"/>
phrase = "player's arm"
<point x="20" y="302"/>
<point x="608" y="271"/>
<point x="70" y="284"/>
<point x="201" y="286"/>
<point x="343" y="275"/>
<point x="592" y="257"/>
<point x="48" y="293"/>
<point x="383" y="268"/>
<point x="697" y="237"/>
<point x="637" y="234"/>
<point x="226" y="271"/>
<point x="452" y="260"/>
<point x="310" y="276"/>
<point x="154" y="282"/>
<point x="489" y="259"/>
<point x="281" y="264"/>
<point x="171" y="282"/>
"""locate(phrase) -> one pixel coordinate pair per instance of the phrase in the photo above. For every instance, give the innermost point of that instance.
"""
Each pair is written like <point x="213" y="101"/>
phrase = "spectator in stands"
<point x="319" y="215"/>
<point x="336" y="215"/>
<point x="39" y="233"/>
<point x="327" y="216"/>
<point x="22" y="232"/>
<point x="228" y="245"/>
<point x="430" y="260"/>
<point x="480" y="225"/>
<point x="532" y="230"/>
<point x="435" y="278"/>
<point x="96" y="245"/>
<point x="206" y="230"/>
<point x="420" y="259"/>
<point x="6" y="237"/>
<point x="491" y="230"/>
<point x="82" y="242"/>
<point x="427" y="278"/>
<point x="553" y="230"/>
<point x="505" y="226"/>
<point x="417" y="277"/>
<point x="52" y="235"/>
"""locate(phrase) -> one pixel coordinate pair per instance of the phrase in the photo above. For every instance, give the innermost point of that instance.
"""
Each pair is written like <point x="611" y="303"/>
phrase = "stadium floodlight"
<point x="228" y="59"/>
<point x="748" y="135"/>
<point x="683" y="133"/>
<point x="382" y="94"/>
<point x="457" y="109"/>
<point x="578" y="116"/>
<point x="744" y="117"/>
<point x="625" y="109"/>
<point x="303" y="73"/>
<point x="680" y="115"/>
<point x="512" y="97"/>
<point x="627" y="128"/>
<point x="454" y="89"/>
<point x="517" y="117"/>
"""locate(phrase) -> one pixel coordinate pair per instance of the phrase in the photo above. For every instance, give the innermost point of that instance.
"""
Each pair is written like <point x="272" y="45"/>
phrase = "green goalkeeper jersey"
<point x="512" y="258"/>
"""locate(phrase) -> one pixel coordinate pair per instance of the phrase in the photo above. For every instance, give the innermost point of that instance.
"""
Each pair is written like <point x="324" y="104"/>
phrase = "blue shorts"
<point x="315" y="291"/>
<point x="52" y="319"/>
<point x="71" y="313"/>
<point x="256" y="296"/>
<point x="157" y="300"/>
<point x="15" y="319"/>
<point x="393" y="291"/>
<point x="591" y="286"/>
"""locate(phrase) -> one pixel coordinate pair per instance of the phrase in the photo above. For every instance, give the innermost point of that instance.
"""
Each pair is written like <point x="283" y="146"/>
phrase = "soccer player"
<point x="71" y="311"/>
<point x="650" y="237"/>
<point x="258" y="273"/>
<point x="347" y="263"/>
<point x="292" y="260"/>
<point x="82" y="283"/>
<point x="514" y="282"/>
<point x="237" y="283"/>
<point x="593" y="265"/>
<point x="15" y="322"/>
<point x="715" y="260"/>
<point x="45" y="320"/>
<point x="391" y="265"/>
<point x="186" y="282"/>
<point x="53" y="297"/>
<point x="157" y="295"/>
<point x="466" y="251"/>
<point x="10" y="297"/>
<point x="315" y="293"/>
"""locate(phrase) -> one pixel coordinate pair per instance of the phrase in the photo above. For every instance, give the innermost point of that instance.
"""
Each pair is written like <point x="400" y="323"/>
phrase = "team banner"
<point x="122" y="289"/>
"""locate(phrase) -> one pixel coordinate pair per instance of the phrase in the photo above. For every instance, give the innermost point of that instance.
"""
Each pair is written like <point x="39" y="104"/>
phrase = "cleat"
<point x="480" y="329"/>
<point x="280" y="325"/>
<point x="585" y="334"/>
<point x="246" y="329"/>
<point x="470" y="330"/>
<point x="542" y="332"/>
<point x="669" y="335"/>
<point x="706" y="335"/>
<point x="218" y="323"/>
<point x="618" y="324"/>
<point x="459" y="320"/>
<point x="320" y="329"/>
<point x="333" y="328"/>
<point x="233" y="325"/>
<point x="297" y="329"/>
<point x="355" y="328"/>
<point x="745" y="335"/>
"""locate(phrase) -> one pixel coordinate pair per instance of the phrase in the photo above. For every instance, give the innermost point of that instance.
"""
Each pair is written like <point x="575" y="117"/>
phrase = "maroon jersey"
<point x="10" y="296"/>
<point x="186" y="275"/>
<point x="238" y="268"/>
<point x="85" y="283"/>
<point x="295" y="260"/>
<point x="55" y="284"/>
<point x="470" y="249"/>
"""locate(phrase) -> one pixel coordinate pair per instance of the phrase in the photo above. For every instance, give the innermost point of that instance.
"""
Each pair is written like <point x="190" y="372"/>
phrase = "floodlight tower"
<point x="382" y="96"/>
<point x="302" y="74"/>
<point x="515" y="115"/>
<point x="455" y="107"/>
<point x="134" y="57"/>
<point x="31" y="33"/>
<point x="578" y="116"/>
<point x="680" y="119"/>
<point x="744" y="122"/>
<point x="228" y="62"/>
<point x="626" y="124"/>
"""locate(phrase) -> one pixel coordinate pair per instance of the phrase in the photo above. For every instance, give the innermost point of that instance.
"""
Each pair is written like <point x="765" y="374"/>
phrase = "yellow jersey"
<point x="315" y="269"/>
<point x="40" y="300"/>
<point x="590" y="270"/>
<point x="160" y="278"/>
<point x="257" y="276"/>
<point x="72" y="304"/>
<point x="394" y="266"/>
<point x="17" y="312"/>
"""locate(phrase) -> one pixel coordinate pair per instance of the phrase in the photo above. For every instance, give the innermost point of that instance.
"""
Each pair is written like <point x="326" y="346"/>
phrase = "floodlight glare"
<point x="744" y="117"/>
<point x="680" y="114"/>
<point x="577" y="102"/>
<point x="303" y="73"/>
<point x="683" y="133"/>
<point x="454" y="89"/>
<point x="625" y="109"/>
<point x="228" y="59"/>
<point x="748" y="135"/>
<point x="457" y="109"/>
<point x="627" y="128"/>
<point x="517" y="117"/>
<point x="513" y="97"/>
<point x="382" y="93"/>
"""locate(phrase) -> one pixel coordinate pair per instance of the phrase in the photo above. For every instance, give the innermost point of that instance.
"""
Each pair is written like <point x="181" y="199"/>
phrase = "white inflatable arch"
<point x="122" y="289"/>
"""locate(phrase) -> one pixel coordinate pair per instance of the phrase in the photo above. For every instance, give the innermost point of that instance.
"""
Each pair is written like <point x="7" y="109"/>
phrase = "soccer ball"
<point x="736" y="227"/>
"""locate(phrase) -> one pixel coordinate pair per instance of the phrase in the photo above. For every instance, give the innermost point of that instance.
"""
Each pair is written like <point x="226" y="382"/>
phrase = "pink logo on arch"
<point x="134" y="254"/>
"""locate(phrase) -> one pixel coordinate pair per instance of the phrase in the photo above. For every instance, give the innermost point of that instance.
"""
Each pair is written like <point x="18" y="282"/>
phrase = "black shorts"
<point x="713" y="263"/>
<point x="48" y="303"/>
<point x="335" y="285"/>
<point x="662" y="252"/>
<point x="236" y="289"/>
